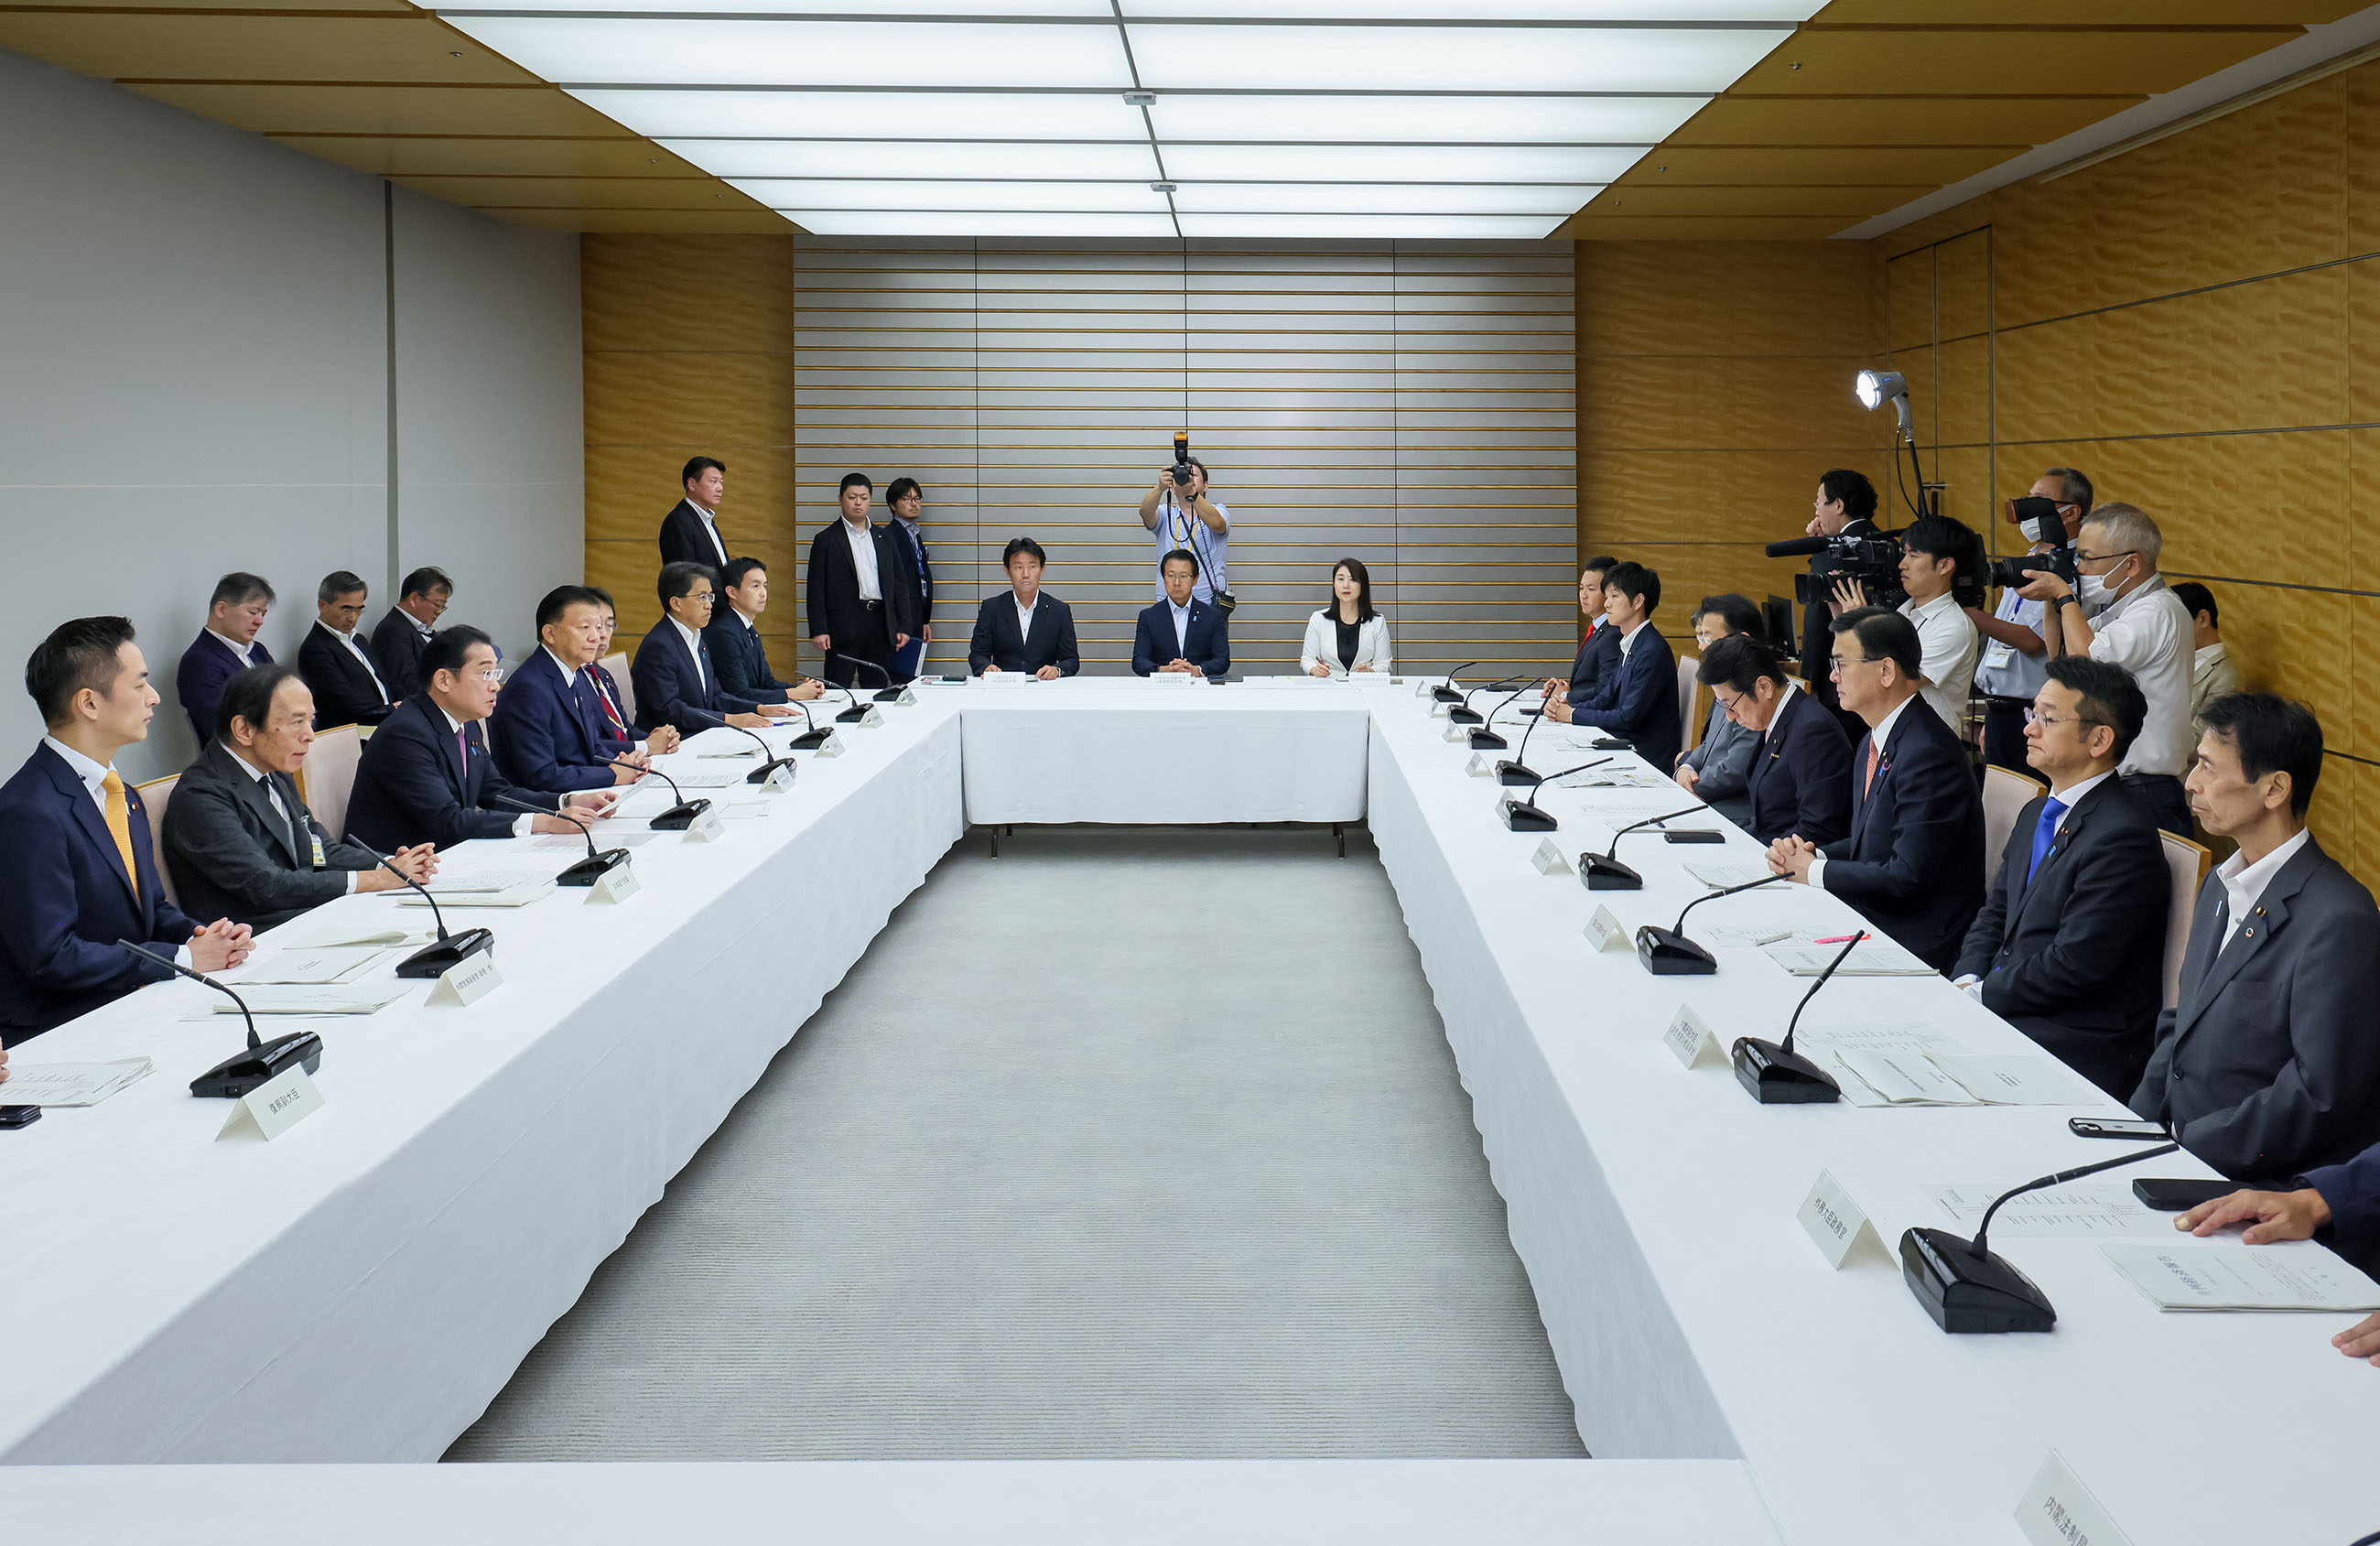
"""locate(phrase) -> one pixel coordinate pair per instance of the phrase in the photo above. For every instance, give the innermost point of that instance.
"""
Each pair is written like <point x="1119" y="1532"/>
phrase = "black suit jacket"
<point x="1206" y="640"/>
<point x="742" y="660"/>
<point x="2268" y="1067"/>
<point x="1913" y="863"/>
<point x="684" y="540"/>
<point x="997" y="642"/>
<point x="2074" y="956"/>
<point x="1799" y="781"/>
<point x="397" y="646"/>
<point x="410" y="787"/>
<point x="1638" y="698"/>
<point x="345" y="693"/>
<point x="670" y="690"/>
<point x="1599" y="655"/>
<point x="231" y="857"/>
<point x="834" y="607"/>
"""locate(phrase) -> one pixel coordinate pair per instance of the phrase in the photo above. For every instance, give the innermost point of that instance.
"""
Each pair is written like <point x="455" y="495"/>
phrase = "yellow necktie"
<point x="119" y="823"/>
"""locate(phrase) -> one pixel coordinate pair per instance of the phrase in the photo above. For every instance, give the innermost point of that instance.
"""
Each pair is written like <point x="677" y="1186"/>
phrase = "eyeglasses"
<point x="2034" y="716"/>
<point x="493" y="673"/>
<point x="1835" y="664"/>
<point x="2082" y="557"/>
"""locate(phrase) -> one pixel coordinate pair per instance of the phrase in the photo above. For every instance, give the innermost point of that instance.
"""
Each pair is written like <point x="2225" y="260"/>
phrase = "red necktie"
<point x="1873" y="755"/>
<point x="609" y="712"/>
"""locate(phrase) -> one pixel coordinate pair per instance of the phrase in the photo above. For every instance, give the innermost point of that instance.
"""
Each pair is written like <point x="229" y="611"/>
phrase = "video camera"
<point x="1873" y="559"/>
<point x="2039" y="520"/>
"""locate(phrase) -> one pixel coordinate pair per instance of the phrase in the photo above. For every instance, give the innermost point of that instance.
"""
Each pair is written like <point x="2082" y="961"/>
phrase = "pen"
<point x="1836" y="939"/>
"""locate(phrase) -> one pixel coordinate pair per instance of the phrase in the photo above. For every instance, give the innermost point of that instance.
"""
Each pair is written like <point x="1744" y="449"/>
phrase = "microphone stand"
<point x="433" y="960"/>
<point x="1966" y="1288"/>
<point x="812" y="738"/>
<point x="1514" y="772"/>
<point x="262" y="1062"/>
<point x="1604" y="872"/>
<point x="677" y="818"/>
<point x="1483" y="738"/>
<point x="1667" y="951"/>
<point x="585" y="872"/>
<point x="760" y="775"/>
<point x="889" y="694"/>
<point x="1773" y="1072"/>
<point x="1528" y="815"/>
<point x="1444" y="692"/>
<point x="1463" y="714"/>
<point x="857" y="714"/>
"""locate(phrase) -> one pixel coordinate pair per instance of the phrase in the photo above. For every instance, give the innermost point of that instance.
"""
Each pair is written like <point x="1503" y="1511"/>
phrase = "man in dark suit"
<point x="1845" y="506"/>
<point x="863" y="595"/>
<point x="80" y="875"/>
<point x="1021" y="629"/>
<point x="426" y="776"/>
<point x="734" y="634"/>
<point x="228" y="643"/>
<point x="2070" y="947"/>
<point x="1598" y="652"/>
<point x="1913" y="863"/>
<point x="690" y="531"/>
<point x="676" y="680"/>
<point x="403" y="629"/>
<point x="614" y="722"/>
<point x="1800" y="780"/>
<point x="339" y="669"/>
<point x="239" y="842"/>
<point x="1181" y="633"/>
<point x="2269" y="1067"/>
<point x="548" y="726"/>
<point x="1636" y="699"/>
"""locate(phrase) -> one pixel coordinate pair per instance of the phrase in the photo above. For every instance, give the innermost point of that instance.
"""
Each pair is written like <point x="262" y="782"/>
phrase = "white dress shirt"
<point x="1777" y="715"/>
<point x="2244" y="883"/>
<point x="710" y="525"/>
<point x="694" y="647"/>
<point x="1878" y="737"/>
<point x="523" y="825"/>
<point x="1947" y="644"/>
<point x="247" y="653"/>
<point x="272" y="798"/>
<point x="348" y="641"/>
<point x="1180" y="629"/>
<point x="1025" y="615"/>
<point x="2147" y="632"/>
<point x="863" y="556"/>
<point x="94" y="779"/>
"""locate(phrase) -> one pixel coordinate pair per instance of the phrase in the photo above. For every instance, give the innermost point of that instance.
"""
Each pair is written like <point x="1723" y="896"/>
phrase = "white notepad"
<point x="71" y="1084"/>
<point x="2292" y="1277"/>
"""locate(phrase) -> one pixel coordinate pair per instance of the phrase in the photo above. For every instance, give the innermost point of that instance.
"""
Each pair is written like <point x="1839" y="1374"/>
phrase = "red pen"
<point x="1838" y="939"/>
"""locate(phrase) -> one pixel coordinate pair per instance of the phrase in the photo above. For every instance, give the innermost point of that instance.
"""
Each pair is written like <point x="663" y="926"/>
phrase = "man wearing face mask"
<point x="2123" y="613"/>
<point x="2015" y="656"/>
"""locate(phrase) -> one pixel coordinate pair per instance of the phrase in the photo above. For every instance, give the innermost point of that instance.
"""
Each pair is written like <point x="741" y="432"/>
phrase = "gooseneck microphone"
<point x="585" y="872"/>
<point x="677" y="818"/>
<point x="1772" y="1072"/>
<point x="1528" y="815"/>
<point x="1463" y="714"/>
<point x="1965" y="1288"/>
<point x="433" y="960"/>
<point x="1444" y="692"/>
<point x="262" y="1062"/>
<point x="857" y="714"/>
<point x="1667" y="951"/>
<point x="1484" y="738"/>
<point x="889" y="694"/>
<point x="1515" y="771"/>
<point x="1603" y="871"/>
<point x="771" y="762"/>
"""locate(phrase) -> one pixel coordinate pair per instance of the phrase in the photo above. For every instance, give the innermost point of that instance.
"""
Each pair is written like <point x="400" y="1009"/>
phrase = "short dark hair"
<point x="2271" y="734"/>
<point x="697" y="467"/>
<point x="423" y="580"/>
<point x="677" y="579"/>
<point x="76" y="655"/>
<point x="340" y="582"/>
<point x="1944" y="536"/>
<point x="603" y="596"/>
<point x="2198" y="598"/>
<point x="448" y="648"/>
<point x="1737" y="663"/>
<point x="1858" y="495"/>
<point x="2073" y="485"/>
<point x="1363" y="577"/>
<point x="1737" y="613"/>
<point x="901" y="489"/>
<point x="2110" y="696"/>
<point x="1602" y="564"/>
<point x="559" y="600"/>
<point x="249" y="696"/>
<point x="1636" y="582"/>
<point x="1182" y="554"/>
<point x="855" y="481"/>
<point x="239" y="588"/>
<point x="1884" y="634"/>
<point x="1024" y="545"/>
<point x="733" y="576"/>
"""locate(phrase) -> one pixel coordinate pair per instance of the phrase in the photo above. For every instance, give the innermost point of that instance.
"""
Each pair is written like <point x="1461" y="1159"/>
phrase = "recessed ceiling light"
<point x="1652" y="12"/>
<point x="1385" y="198"/>
<point x="868" y="115"/>
<point x="978" y="223"/>
<point x="578" y="50"/>
<point x="917" y="158"/>
<point x="1375" y="227"/>
<point x="1179" y="56"/>
<point x="1639" y="121"/>
<point x="876" y="194"/>
<point x="1434" y="164"/>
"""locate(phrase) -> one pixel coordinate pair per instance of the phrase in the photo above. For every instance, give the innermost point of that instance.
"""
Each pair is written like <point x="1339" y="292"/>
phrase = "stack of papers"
<point x="1875" y="956"/>
<point x="71" y="1084"/>
<point x="697" y="778"/>
<point x="1887" y="1065"/>
<point x="2083" y="1210"/>
<point x="569" y="843"/>
<point x="310" y="964"/>
<point x="383" y="936"/>
<point x="1720" y="875"/>
<point x="2250" y="1277"/>
<point x="518" y="894"/>
<point x="337" y="998"/>
<point x="1612" y="776"/>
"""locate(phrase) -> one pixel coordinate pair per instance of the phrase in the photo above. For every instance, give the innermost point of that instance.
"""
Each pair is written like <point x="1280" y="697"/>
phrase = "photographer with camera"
<point x="1184" y="519"/>
<point x="1941" y="563"/>
<point x="2015" y="658"/>
<point x="1845" y="507"/>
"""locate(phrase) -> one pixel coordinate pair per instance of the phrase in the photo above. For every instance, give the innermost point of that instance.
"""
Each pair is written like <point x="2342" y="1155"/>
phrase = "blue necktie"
<point x="2045" y="833"/>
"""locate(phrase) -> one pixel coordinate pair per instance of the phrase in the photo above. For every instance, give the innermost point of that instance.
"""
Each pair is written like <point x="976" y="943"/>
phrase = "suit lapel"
<point x="2252" y="934"/>
<point x="85" y="814"/>
<point x="252" y="791"/>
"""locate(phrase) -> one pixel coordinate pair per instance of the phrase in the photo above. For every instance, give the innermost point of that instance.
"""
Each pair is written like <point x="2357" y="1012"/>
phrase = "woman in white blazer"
<point x="1346" y="636"/>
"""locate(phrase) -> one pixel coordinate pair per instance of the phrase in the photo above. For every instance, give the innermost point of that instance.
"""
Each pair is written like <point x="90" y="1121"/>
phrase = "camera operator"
<point x="1940" y="558"/>
<point x="1845" y="507"/>
<point x="2015" y="657"/>
<point x="2136" y="622"/>
<point x="1184" y="519"/>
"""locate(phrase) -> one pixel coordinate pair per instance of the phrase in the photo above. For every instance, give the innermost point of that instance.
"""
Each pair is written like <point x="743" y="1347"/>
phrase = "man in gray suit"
<point x="239" y="843"/>
<point x="2268" y="1067"/>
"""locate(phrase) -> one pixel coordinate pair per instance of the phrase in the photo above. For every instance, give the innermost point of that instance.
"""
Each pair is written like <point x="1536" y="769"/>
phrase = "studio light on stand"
<point x="1876" y="388"/>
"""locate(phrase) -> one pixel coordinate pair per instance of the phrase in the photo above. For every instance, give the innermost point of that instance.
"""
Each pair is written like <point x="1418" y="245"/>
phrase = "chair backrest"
<point x="154" y="795"/>
<point x="328" y="776"/>
<point x="618" y="666"/>
<point x="1797" y="681"/>
<point x="2188" y="862"/>
<point x="1690" y="717"/>
<point x="2006" y="795"/>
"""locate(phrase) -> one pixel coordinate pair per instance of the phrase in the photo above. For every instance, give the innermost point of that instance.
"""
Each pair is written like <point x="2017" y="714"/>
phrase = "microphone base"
<point x="810" y="740"/>
<point x="437" y="959"/>
<point x="852" y="716"/>
<point x="1488" y="741"/>
<point x="888" y="695"/>
<point x="1466" y="716"/>
<point x="1666" y="953"/>
<point x="1966" y="1292"/>
<point x="1602" y="872"/>
<point x="677" y="818"/>
<point x="261" y="1064"/>
<point x="1773" y="1076"/>
<point x="1446" y="695"/>
<point x="1522" y="816"/>
<point x="1611" y="743"/>
<point x="1516" y="775"/>
<point x="593" y="867"/>
<point x="760" y="774"/>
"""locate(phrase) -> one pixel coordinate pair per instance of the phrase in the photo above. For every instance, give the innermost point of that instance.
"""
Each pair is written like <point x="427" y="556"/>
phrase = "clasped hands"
<point x="1792" y="856"/>
<point x="1047" y="674"/>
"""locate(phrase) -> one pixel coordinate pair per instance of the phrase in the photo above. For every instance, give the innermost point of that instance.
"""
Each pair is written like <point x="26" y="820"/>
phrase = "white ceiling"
<point x="1372" y="118"/>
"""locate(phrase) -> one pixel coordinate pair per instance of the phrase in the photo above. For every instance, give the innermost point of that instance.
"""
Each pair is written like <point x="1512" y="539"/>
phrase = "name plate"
<point x="618" y="884"/>
<point x="874" y="716"/>
<point x="908" y="697"/>
<point x="1549" y="860"/>
<point x="1689" y="1041"/>
<point x="831" y="746"/>
<point x="1837" y="1225"/>
<point x="1439" y="710"/>
<point x="705" y="828"/>
<point x="780" y="779"/>
<point x="467" y="982"/>
<point x="1480" y="767"/>
<point x="1457" y="733"/>
<point x="275" y="1106"/>
<point x="1606" y="932"/>
<point x="1421" y="690"/>
<point x="2058" y="1510"/>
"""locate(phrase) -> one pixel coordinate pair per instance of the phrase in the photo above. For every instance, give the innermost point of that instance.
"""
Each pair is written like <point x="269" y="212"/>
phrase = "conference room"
<point x="1151" y="770"/>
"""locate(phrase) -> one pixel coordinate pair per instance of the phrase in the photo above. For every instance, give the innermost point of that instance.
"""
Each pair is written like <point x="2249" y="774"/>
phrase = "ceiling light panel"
<point x="1652" y="12"/>
<point x="870" y="115"/>
<point x="1095" y="9"/>
<point x="1641" y="121"/>
<point x="1372" y="227"/>
<point x="873" y="193"/>
<point x="915" y="158"/>
<point x="1423" y="163"/>
<point x="1210" y="198"/>
<point x="1183" y="57"/>
<point x="578" y="50"/>
<point x="978" y="223"/>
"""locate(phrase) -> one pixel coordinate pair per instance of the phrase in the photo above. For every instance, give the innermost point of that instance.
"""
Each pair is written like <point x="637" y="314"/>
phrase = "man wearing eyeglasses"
<point x="2125" y="614"/>
<point x="2070" y="947"/>
<point x="2014" y="652"/>
<point x="676" y="678"/>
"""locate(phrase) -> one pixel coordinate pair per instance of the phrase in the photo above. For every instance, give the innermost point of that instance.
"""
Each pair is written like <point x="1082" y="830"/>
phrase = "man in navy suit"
<point x="1800" y="780"/>
<point x="1598" y="652"/>
<point x="676" y="680"/>
<point x="617" y="726"/>
<point x="340" y="669"/>
<point x="426" y="776"/>
<point x="1913" y="863"/>
<point x="80" y="875"/>
<point x="2268" y="1065"/>
<point x="403" y="629"/>
<point x="1181" y="633"/>
<point x="548" y="725"/>
<point x="227" y="644"/>
<point x="734" y="634"/>
<point x="2070" y="947"/>
<point x="1021" y="629"/>
<point x="1637" y="698"/>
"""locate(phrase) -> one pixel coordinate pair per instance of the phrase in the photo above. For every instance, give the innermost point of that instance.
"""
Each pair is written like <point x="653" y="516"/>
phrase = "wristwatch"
<point x="2056" y="602"/>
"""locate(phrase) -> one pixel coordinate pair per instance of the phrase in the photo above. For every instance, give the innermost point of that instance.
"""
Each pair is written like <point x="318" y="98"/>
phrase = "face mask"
<point x="2094" y="591"/>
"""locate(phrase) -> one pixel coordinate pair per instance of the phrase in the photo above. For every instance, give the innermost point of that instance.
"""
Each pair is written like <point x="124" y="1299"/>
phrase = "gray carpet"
<point x="1127" y="1143"/>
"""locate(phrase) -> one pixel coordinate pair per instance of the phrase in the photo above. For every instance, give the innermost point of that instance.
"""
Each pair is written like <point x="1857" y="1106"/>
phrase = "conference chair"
<point x="618" y="666"/>
<point x="2006" y="795"/>
<point x="154" y="795"/>
<point x="1797" y="681"/>
<point x="1689" y="701"/>
<point x="328" y="776"/>
<point x="2189" y="863"/>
